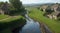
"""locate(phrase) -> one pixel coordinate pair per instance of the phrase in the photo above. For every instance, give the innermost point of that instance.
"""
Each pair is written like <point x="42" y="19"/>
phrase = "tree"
<point x="48" y="10"/>
<point x="1" y="3"/>
<point x="19" y="9"/>
<point x="16" y="3"/>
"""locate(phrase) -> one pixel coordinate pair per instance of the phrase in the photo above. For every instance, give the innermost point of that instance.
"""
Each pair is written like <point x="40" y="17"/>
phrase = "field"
<point x="36" y="14"/>
<point x="3" y="16"/>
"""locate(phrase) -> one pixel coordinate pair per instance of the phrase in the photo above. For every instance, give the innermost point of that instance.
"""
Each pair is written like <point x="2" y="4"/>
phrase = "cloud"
<point x="40" y="1"/>
<point x="3" y="0"/>
<point x="30" y="1"/>
<point x="36" y="1"/>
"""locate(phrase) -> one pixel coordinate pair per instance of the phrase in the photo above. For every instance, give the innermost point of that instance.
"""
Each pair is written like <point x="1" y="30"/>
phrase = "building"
<point x="54" y="7"/>
<point x="4" y="8"/>
<point x="55" y="14"/>
<point x="44" y="7"/>
<point x="53" y="11"/>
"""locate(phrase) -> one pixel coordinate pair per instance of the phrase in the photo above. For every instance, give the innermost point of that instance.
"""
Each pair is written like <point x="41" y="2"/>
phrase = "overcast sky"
<point x="37" y="1"/>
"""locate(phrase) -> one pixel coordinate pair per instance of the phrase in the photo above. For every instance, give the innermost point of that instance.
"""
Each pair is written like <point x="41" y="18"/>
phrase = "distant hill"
<point x="30" y="5"/>
<point x="37" y="5"/>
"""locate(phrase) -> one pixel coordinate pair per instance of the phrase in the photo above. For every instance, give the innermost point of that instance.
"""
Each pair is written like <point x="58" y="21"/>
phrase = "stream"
<point x="31" y="26"/>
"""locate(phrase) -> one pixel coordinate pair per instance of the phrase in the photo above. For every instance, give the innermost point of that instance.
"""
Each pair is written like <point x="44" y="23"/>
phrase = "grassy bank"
<point x="3" y="16"/>
<point x="7" y="25"/>
<point x="36" y="14"/>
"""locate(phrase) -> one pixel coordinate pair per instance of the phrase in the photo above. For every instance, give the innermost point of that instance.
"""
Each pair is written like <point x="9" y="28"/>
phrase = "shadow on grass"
<point x="14" y="25"/>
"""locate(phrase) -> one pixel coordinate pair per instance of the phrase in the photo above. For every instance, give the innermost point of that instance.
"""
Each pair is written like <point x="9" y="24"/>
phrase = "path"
<point x="8" y="18"/>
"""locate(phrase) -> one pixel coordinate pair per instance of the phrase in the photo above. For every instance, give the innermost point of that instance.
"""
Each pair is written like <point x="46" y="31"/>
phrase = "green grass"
<point x="11" y="19"/>
<point x="3" y="16"/>
<point x="53" y="25"/>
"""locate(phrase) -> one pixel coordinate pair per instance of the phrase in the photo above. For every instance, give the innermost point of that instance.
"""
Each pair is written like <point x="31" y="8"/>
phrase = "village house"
<point x="4" y="8"/>
<point x="55" y="14"/>
<point x="54" y="7"/>
<point x="44" y="7"/>
<point x="52" y="11"/>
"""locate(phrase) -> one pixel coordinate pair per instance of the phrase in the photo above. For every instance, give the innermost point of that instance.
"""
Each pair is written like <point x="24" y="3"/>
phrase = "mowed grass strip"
<point x="3" y="16"/>
<point x="11" y="18"/>
<point x="53" y="25"/>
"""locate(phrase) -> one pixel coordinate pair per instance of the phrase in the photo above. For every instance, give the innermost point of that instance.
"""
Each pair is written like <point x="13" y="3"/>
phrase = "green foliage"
<point x="12" y="10"/>
<point x="48" y="10"/>
<point x="17" y="7"/>
<point x="1" y="3"/>
<point x="16" y="4"/>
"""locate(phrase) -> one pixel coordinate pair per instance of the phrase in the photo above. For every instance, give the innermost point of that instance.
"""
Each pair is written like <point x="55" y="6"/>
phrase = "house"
<point x="54" y="7"/>
<point x="53" y="12"/>
<point x="58" y="9"/>
<point x="4" y="8"/>
<point x="43" y="7"/>
<point x="56" y="15"/>
<point x="50" y="16"/>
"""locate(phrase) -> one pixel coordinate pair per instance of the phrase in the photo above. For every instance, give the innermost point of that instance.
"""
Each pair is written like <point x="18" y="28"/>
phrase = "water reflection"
<point x="30" y="26"/>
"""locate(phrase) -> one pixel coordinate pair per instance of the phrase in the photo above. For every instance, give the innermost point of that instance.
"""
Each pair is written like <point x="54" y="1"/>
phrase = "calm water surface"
<point x="31" y="26"/>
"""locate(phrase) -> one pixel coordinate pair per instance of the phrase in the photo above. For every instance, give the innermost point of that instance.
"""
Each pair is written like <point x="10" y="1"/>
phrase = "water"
<point x="31" y="26"/>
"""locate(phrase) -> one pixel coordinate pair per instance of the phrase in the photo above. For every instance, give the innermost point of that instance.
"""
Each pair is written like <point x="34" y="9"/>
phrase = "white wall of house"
<point x="2" y="12"/>
<point x="50" y="16"/>
<point x="44" y="10"/>
<point x="55" y="17"/>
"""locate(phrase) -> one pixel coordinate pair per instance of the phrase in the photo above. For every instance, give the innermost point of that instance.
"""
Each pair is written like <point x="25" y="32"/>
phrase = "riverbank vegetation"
<point x="11" y="16"/>
<point x="8" y="25"/>
<point x="52" y="24"/>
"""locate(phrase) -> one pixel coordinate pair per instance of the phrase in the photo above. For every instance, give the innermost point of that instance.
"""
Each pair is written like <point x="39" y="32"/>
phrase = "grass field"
<point x="36" y="14"/>
<point x="6" y="18"/>
<point x="3" y="16"/>
<point x="11" y="18"/>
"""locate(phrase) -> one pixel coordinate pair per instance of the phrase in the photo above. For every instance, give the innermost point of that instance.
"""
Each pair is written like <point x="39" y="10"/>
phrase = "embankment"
<point x="11" y="26"/>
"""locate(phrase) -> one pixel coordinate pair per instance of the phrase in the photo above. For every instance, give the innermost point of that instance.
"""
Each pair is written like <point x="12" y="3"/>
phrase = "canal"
<point x="31" y="26"/>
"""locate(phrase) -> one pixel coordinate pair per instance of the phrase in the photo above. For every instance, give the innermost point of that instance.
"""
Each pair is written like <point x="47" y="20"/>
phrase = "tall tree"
<point x="1" y="3"/>
<point x="16" y="3"/>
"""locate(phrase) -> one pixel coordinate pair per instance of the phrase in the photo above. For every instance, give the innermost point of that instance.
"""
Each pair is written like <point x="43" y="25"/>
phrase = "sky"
<point x="36" y="1"/>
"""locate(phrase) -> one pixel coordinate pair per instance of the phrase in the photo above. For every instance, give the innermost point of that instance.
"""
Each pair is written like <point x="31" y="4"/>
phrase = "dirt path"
<point x="8" y="18"/>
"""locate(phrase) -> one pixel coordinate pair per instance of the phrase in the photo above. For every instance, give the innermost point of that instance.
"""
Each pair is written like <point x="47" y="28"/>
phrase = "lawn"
<point x="53" y="25"/>
<point x="3" y="16"/>
<point x="11" y="18"/>
<point x="6" y="18"/>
